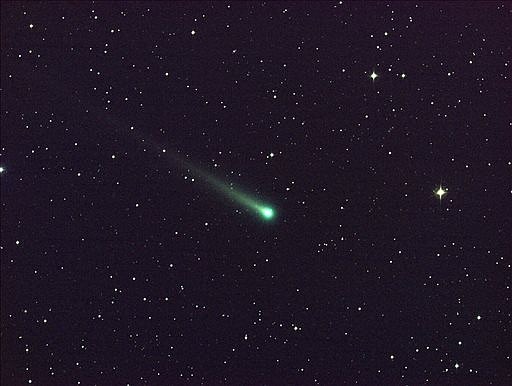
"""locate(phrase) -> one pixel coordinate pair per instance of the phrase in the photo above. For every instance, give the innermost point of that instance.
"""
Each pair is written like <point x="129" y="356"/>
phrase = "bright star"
<point x="2" y="169"/>
<point x="373" y="75"/>
<point x="440" y="192"/>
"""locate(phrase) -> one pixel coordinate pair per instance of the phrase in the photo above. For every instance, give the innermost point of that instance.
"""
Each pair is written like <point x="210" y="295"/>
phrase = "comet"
<point x="63" y="83"/>
<point x="258" y="207"/>
<point x="223" y="188"/>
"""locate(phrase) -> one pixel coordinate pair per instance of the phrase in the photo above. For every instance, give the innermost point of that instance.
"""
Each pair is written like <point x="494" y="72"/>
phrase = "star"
<point x="440" y="192"/>
<point x="2" y="169"/>
<point x="373" y="75"/>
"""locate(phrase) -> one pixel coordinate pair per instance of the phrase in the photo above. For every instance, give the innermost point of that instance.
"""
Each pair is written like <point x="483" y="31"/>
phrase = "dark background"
<point x="123" y="270"/>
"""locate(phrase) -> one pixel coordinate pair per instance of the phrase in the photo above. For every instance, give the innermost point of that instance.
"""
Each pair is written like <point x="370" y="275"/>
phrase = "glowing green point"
<point x="267" y="213"/>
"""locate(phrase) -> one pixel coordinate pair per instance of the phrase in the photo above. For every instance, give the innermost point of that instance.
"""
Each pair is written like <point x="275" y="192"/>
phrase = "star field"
<point x="373" y="141"/>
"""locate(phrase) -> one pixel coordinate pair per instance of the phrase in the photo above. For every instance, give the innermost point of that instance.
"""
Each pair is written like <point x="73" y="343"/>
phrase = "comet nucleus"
<point x="267" y="213"/>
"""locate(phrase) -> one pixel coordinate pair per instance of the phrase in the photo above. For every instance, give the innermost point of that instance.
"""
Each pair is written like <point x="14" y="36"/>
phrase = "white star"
<point x="373" y="75"/>
<point x="440" y="192"/>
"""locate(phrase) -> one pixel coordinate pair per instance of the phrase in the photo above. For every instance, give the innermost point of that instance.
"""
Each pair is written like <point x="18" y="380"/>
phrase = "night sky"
<point x="260" y="193"/>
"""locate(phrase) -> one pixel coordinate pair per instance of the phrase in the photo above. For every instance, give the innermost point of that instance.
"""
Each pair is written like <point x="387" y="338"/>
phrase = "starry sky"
<point x="256" y="193"/>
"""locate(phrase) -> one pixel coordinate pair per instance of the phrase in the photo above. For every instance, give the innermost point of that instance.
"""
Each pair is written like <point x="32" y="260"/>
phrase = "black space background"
<point x="384" y="283"/>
